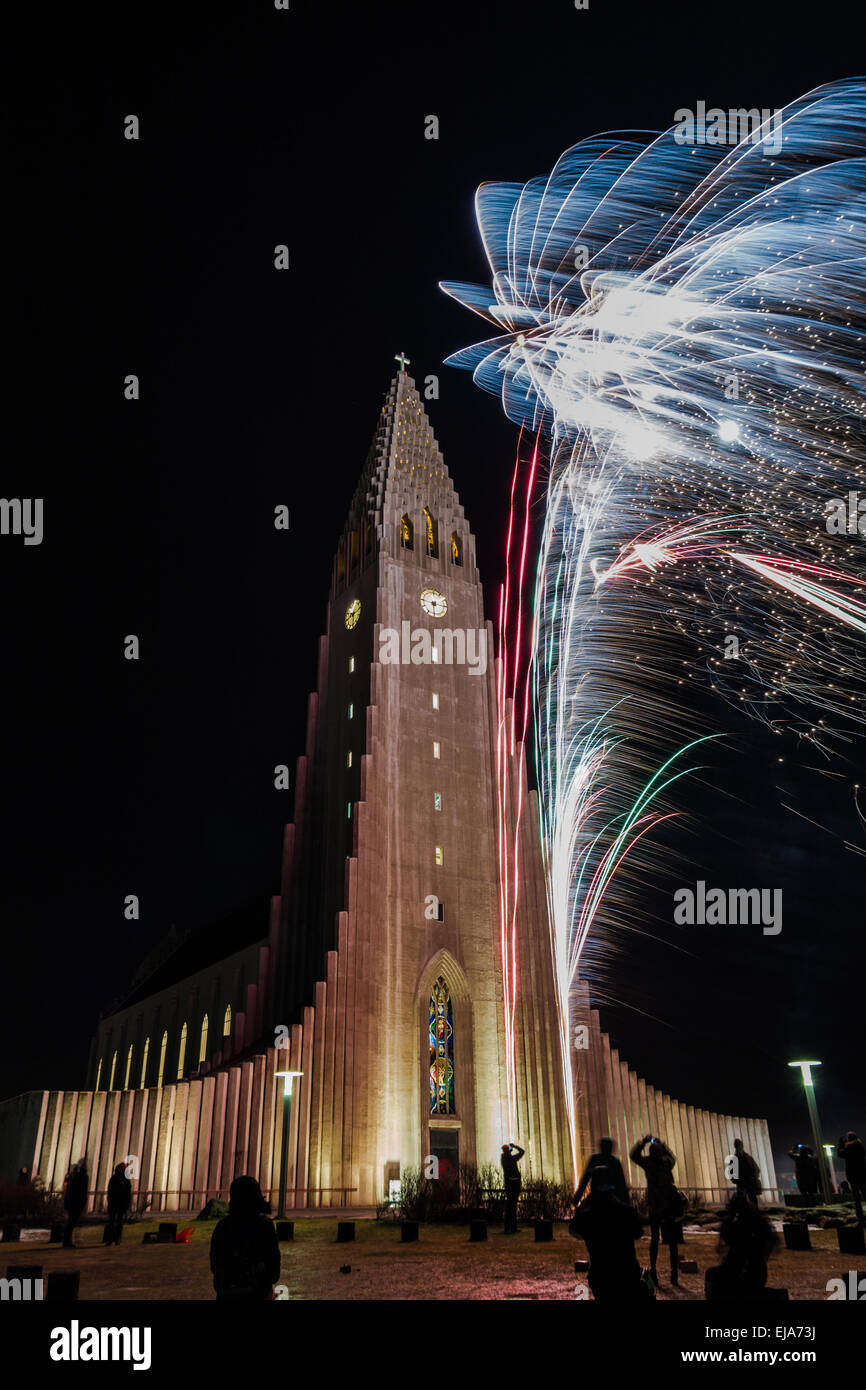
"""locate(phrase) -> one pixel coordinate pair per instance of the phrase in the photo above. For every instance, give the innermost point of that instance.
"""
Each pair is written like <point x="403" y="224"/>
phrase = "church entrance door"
<point x="445" y="1146"/>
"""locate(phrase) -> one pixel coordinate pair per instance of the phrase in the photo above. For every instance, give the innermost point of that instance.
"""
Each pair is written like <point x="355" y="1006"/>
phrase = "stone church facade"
<point x="380" y="979"/>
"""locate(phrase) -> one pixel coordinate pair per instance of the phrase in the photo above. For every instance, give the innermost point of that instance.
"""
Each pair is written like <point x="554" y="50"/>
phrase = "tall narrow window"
<point x="407" y="533"/>
<point x="456" y="549"/>
<point x="348" y="810"/>
<point x="202" y="1046"/>
<point x="432" y="538"/>
<point x="98" y="1074"/>
<point x="439" y="859"/>
<point x="181" y="1053"/>
<point x="437" y="801"/>
<point x="349" y="758"/>
<point x="163" y="1048"/>
<point x="227" y="1022"/>
<point x="441" y="1051"/>
<point x="435" y="700"/>
<point x="128" y="1068"/>
<point x="351" y="664"/>
<point x="435" y="750"/>
<point x="144" y="1056"/>
<point x="351" y="711"/>
<point x="113" y="1070"/>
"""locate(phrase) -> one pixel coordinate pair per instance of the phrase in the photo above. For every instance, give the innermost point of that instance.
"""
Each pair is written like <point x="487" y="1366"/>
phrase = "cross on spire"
<point x="403" y="360"/>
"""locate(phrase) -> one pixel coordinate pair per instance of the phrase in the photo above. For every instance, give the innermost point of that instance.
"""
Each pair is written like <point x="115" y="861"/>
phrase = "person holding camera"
<point x="852" y="1150"/>
<point x="511" y="1156"/>
<point x="664" y="1202"/>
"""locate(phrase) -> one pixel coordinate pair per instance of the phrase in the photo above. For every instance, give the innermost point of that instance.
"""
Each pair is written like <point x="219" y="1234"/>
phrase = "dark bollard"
<point x="796" y="1235"/>
<point x="477" y="1229"/>
<point x="689" y="1266"/>
<point x="543" y="1230"/>
<point x="11" y="1231"/>
<point x="56" y="1234"/>
<point x="581" y="1266"/>
<point x="285" y="1230"/>
<point x="167" y="1233"/>
<point x="408" y="1231"/>
<point x="851" y="1240"/>
<point x="62" y="1286"/>
<point x="345" y="1232"/>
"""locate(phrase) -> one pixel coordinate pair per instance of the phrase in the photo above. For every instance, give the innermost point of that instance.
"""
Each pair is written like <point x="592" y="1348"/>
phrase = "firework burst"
<point x="686" y="324"/>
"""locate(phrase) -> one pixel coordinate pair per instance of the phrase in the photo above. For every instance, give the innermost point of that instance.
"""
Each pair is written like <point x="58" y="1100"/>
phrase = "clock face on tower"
<point x="434" y="603"/>
<point x="353" y="612"/>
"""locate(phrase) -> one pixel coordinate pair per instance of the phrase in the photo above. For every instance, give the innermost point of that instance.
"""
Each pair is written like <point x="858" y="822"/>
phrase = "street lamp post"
<point x="809" y="1088"/>
<point x="830" y="1150"/>
<point x="288" y="1077"/>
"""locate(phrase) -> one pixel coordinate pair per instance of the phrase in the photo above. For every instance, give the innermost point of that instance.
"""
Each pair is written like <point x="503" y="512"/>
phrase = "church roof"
<point x="404" y="456"/>
<point x="242" y="927"/>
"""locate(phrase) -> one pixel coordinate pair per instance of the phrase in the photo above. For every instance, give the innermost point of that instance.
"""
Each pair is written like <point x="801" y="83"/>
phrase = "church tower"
<point x="390" y="915"/>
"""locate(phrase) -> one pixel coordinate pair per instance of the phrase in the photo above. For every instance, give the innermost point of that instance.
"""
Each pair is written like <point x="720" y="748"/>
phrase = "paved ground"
<point x="442" y="1265"/>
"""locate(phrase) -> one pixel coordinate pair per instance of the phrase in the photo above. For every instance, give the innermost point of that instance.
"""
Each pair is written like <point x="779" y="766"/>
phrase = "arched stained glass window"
<point x="181" y="1053"/>
<point x="98" y="1075"/>
<point x="144" y="1057"/>
<point x="441" y="1051"/>
<point x="432" y="539"/>
<point x="202" y="1046"/>
<point x="456" y="549"/>
<point x="407" y="533"/>
<point x="227" y="1022"/>
<point x="113" y="1070"/>
<point x="163" y="1048"/>
<point x="128" y="1068"/>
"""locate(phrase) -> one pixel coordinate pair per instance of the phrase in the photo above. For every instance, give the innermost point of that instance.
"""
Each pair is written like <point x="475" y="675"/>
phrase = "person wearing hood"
<point x="609" y="1228"/>
<point x="244" y="1250"/>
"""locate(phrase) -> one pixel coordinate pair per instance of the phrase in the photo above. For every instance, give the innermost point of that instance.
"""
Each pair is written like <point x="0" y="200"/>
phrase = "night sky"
<point x="155" y="257"/>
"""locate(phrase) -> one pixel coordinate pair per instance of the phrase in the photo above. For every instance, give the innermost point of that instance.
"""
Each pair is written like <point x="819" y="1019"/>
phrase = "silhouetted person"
<point x="852" y="1150"/>
<point x="663" y="1200"/>
<point x="609" y="1170"/>
<point x="74" y="1200"/>
<point x="749" y="1240"/>
<point x="511" y="1156"/>
<point x="610" y="1228"/>
<point x="806" y="1167"/>
<point x="747" y="1174"/>
<point x="23" y="1178"/>
<point x="119" y="1202"/>
<point x="244" y="1250"/>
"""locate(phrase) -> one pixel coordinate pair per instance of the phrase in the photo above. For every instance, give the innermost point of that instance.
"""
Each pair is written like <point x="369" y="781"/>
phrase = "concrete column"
<point x="175" y="1159"/>
<point x="201" y="1179"/>
<point x="218" y="1136"/>
<point x="186" y="1197"/>
<point x="242" y="1135"/>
